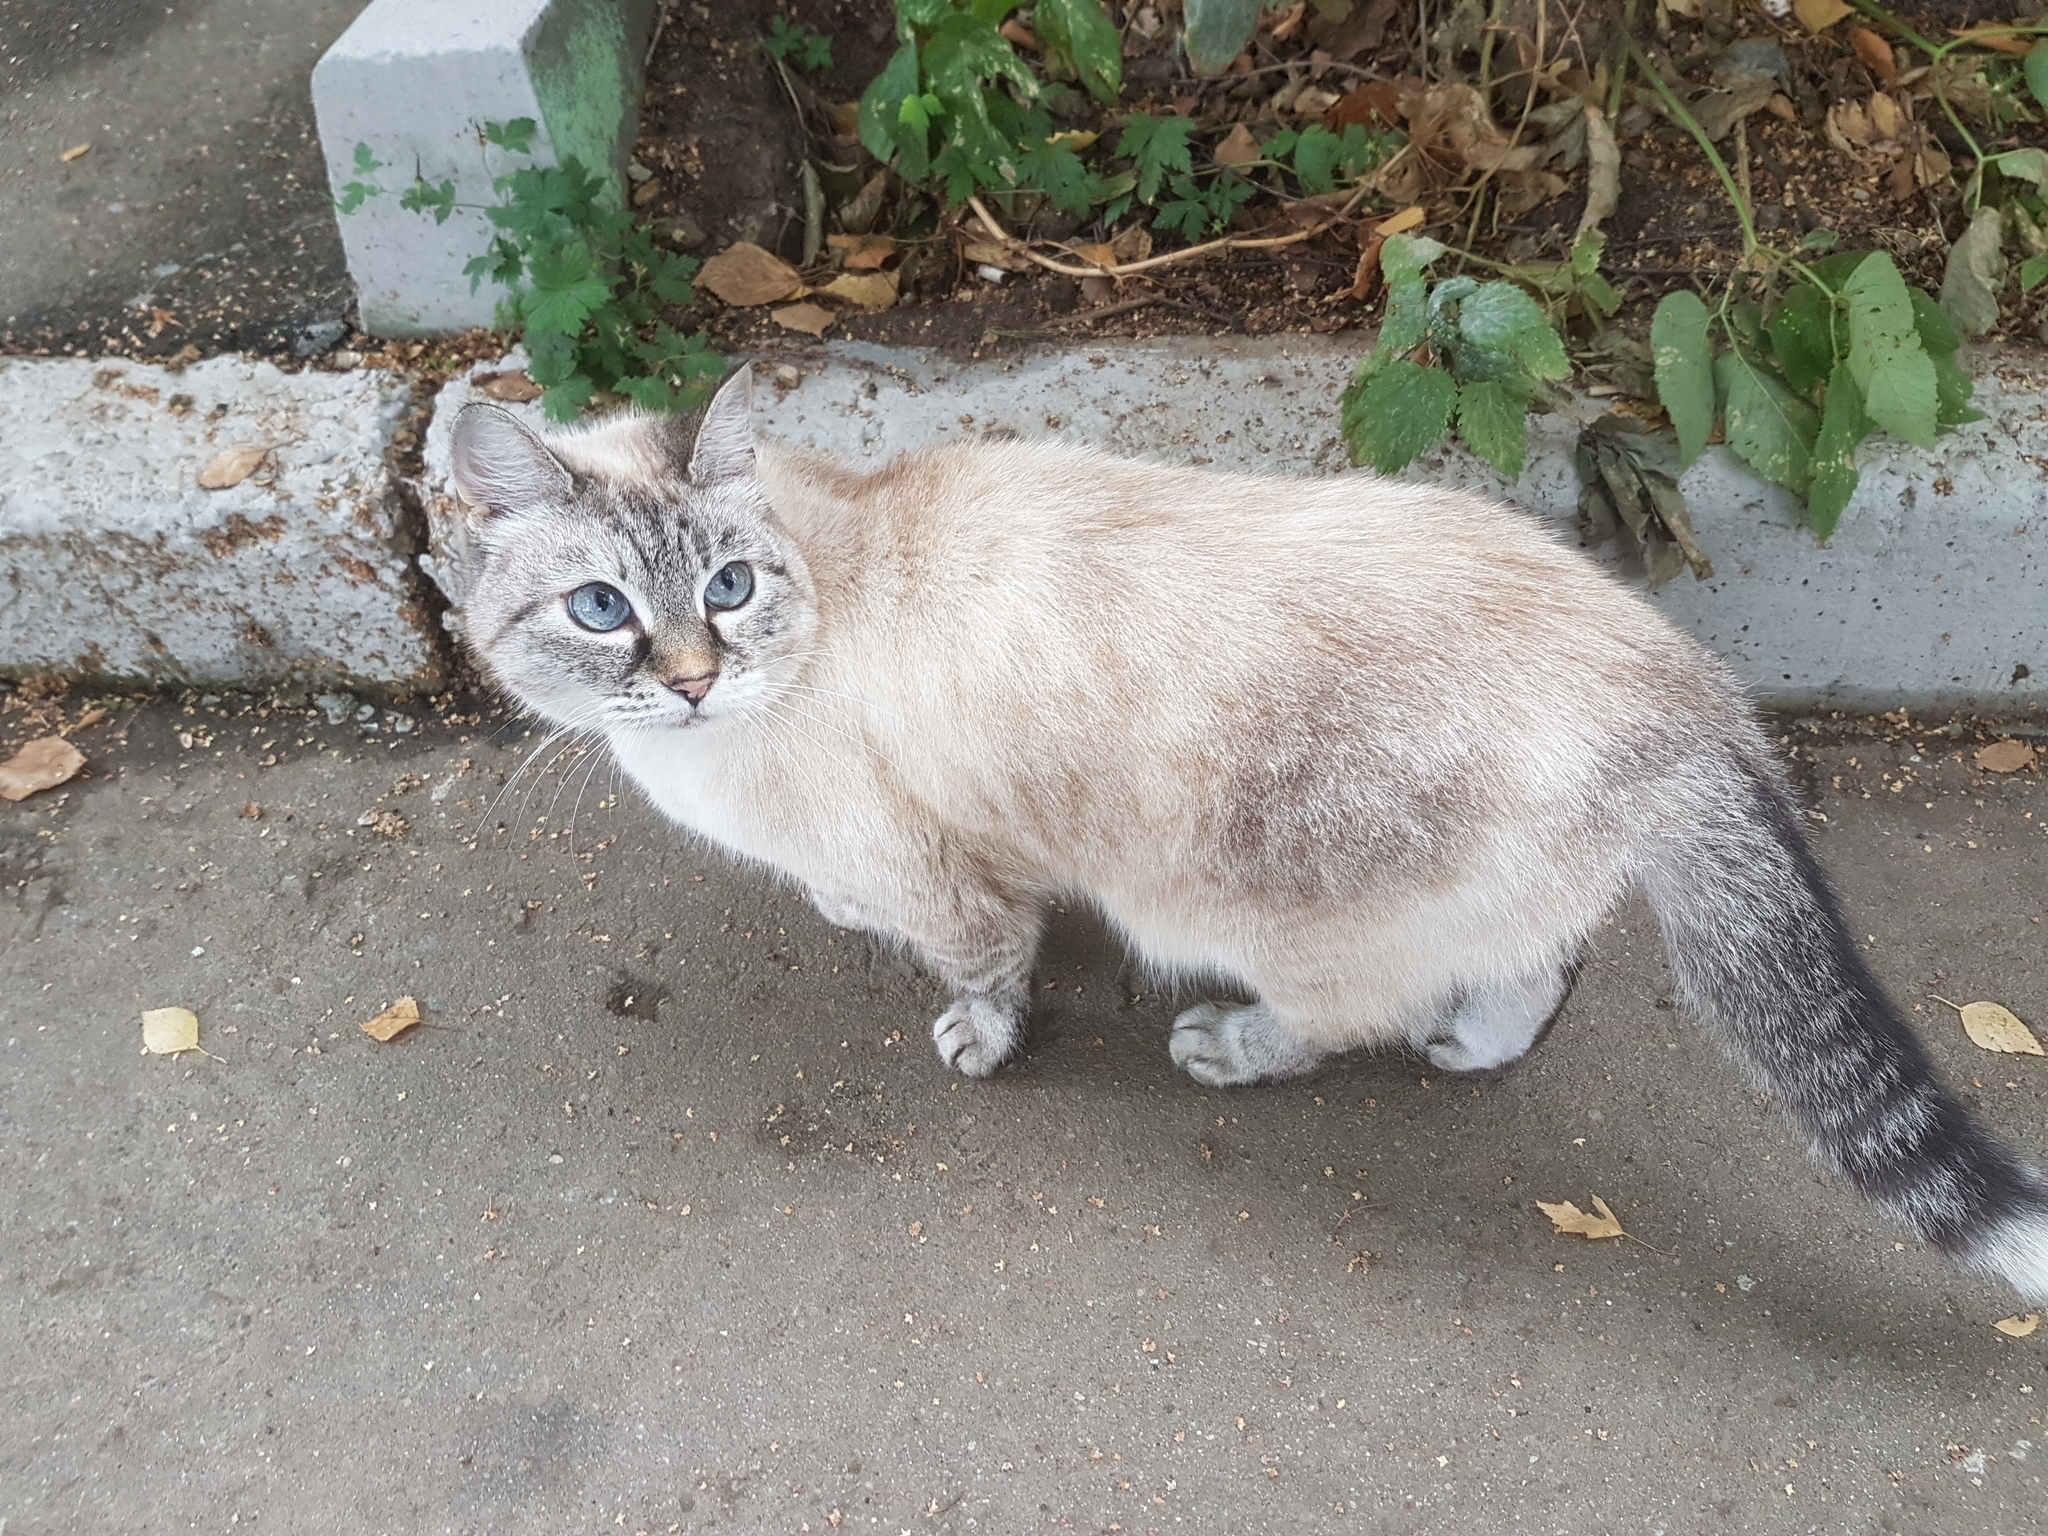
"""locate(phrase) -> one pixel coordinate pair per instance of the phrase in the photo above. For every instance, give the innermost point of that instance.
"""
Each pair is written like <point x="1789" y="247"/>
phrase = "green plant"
<point x="1465" y="352"/>
<point x="789" y="43"/>
<point x="584" y="283"/>
<point x="1320" y="159"/>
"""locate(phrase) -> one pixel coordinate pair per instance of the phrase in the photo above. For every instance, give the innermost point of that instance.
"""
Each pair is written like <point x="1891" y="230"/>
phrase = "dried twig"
<point x="1172" y="258"/>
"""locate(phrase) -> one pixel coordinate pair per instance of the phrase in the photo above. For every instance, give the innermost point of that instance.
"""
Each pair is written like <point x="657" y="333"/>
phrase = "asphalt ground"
<point x="197" y="213"/>
<point x="668" y="1219"/>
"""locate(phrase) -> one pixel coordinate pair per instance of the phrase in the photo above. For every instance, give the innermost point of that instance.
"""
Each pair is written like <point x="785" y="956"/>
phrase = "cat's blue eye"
<point x="731" y="587"/>
<point x="599" y="607"/>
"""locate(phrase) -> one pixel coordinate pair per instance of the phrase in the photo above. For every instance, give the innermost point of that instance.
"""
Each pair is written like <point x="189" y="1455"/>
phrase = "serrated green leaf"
<point x="1975" y="272"/>
<point x="2037" y="72"/>
<point x="1402" y="411"/>
<point x="1078" y="35"/>
<point x="1493" y="419"/>
<point x="1499" y="317"/>
<point x="514" y="137"/>
<point x="367" y="163"/>
<point x="1683" y="358"/>
<point x="1155" y="145"/>
<point x="564" y="400"/>
<point x="1890" y="365"/>
<point x="1316" y="152"/>
<point x="1052" y="166"/>
<point x="1843" y="425"/>
<point x="1769" y="426"/>
<point x="1804" y="336"/>
<point x="2022" y="165"/>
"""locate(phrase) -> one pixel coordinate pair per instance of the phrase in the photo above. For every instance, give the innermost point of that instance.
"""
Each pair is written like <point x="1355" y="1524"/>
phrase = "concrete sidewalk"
<point x="673" y="1222"/>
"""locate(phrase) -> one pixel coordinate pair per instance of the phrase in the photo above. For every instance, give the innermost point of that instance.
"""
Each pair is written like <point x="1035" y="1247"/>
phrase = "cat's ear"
<point x="501" y="465"/>
<point x="725" y="437"/>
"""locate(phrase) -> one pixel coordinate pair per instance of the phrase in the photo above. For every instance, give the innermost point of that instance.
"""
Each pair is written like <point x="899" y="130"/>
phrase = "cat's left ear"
<point x="725" y="437"/>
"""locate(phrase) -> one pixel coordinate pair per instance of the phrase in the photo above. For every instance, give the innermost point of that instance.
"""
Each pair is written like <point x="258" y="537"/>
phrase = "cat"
<point x="1380" y="755"/>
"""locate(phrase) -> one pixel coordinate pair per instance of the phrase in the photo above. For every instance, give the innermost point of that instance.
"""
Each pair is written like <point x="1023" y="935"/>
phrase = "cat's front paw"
<point x="975" y="1036"/>
<point x="1224" y="1045"/>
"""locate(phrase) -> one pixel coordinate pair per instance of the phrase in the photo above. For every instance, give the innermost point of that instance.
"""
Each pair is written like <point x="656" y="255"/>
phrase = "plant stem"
<point x="1691" y="125"/>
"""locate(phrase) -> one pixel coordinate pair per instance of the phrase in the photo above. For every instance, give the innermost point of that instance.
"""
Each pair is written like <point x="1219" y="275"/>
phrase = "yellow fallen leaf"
<point x="2018" y="1327"/>
<point x="807" y="317"/>
<point x="744" y="275"/>
<point x="1400" y="223"/>
<point x="75" y="152"/>
<point x="870" y="254"/>
<point x="1076" y="139"/>
<point x="1819" y="15"/>
<point x="1995" y="1027"/>
<point x="2006" y="756"/>
<point x="42" y="764"/>
<point x="870" y="290"/>
<point x="167" y="1031"/>
<point x="514" y="385"/>
<point x="1100" y="255"/>
<point x="231" y="466"/>
<point x="393" y="1021"/>
<point x="1568" y="1218"/>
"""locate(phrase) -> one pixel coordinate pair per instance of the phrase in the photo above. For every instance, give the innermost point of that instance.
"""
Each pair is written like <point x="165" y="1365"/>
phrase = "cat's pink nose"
<point x="693" y="688"/>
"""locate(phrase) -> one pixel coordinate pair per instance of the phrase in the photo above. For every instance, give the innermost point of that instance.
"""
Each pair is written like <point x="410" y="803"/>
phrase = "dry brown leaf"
<point x="1132" y="244"/>
<point x="1603" y="170"/>
<point x="745" y="275"/>
<point x="230" y="467"/>
<point x="1400" y="223"/>
<point x="1568" y="1218"/>
<point x="42" y="764"/>
<point x="807" y="317"/>
<point x="1238" y="147"/>
<point x="1885" y="117"/>
<point x="987" y="253"/>
<point x="2006" y="756"/>
<point x="1995" y="1027"/>
<point x="1376" y="104"/>
<point x="1993" y="35"/>
<point x="870" y="290"/>
<point x="1875" y="53"/>
<point x="1819" y="15"/>
<point x="2018" y="1327"/>
<point x="75" y="152"/>
<point x="393" y="1021"/>
<point x="1099" y="255"/>
<point x="873" y="251"/>
<point x="167" y="1031"/>
<point x="513" y="385"/>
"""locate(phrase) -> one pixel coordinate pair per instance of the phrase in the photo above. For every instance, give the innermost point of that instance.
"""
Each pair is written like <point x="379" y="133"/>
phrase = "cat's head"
<point x="633" y="573"/>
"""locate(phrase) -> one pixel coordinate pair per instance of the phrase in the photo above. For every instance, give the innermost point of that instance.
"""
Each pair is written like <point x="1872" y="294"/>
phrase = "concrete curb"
<point x="415" y="81"/>
<point x="1933" y="594"/>
<point x="119" y="567"/>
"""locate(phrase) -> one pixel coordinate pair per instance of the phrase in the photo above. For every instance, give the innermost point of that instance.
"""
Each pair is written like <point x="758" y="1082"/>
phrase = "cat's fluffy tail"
<point x="1758" y="942"/>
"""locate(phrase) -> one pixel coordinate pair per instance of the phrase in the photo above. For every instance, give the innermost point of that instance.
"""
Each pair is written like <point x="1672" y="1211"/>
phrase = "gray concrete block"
<point x="117" y="566"/>
<point x="416" y="80"/>
<point x="1933" y="593"/>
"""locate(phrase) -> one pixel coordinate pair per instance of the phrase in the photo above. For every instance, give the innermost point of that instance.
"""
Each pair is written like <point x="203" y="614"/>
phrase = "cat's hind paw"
<point x="975" y="1036"/>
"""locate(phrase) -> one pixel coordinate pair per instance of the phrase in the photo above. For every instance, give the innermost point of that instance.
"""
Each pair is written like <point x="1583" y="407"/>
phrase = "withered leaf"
<point x="1567" y="1218"/>
<point x="807" y="317"/>
<point x="1995" y="1027"/>
<point x="744" y="275"/>
<point x="2018" y="1327"/>
<point x="1875" y="53"/>
<point x="870" y="290"/>
<point x="167" y="1031"/>
<point x="393" y="1021"/>
<point x="514" y="385"/>
<point x="230" y="467"/>
<point x="42" y="764"/>
<point x="1238" y="147"/>
<point x="2006" y="756"/>
<point x="1819" y="15"/>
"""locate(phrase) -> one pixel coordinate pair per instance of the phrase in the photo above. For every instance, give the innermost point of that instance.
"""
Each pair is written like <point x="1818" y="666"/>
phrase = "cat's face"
<point x="626" y="583"/>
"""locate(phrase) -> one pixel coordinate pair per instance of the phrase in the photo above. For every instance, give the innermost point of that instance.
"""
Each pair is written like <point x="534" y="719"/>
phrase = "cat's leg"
<point x="1493" y="1025"/>
<point x="1226" y="1044"/>
<point x="982" y="950"/>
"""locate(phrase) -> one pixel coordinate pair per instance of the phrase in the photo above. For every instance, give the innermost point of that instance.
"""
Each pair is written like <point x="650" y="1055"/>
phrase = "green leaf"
<point x="881" y="104"/>
<point x="1055" y="169"/>
<point x="1769" y="426"/>
<point x="562" y="401"/>
<point x="1802" y="332"/>
<point x="1684" y="361"/>
<point x="367" y="163"/>
<point x="1891" y="366"/>
<point x="1078" y="35"/>
<point x="2037" y="72"/>
<point x="1493" y="419"/>
<point x="515" y="137"/>
<point x="1500" y="317"/>
<point x="1403" y="410"/>
<point x="1316" y="152"/>
<point x="1975" y="273"/>
<point x="1217" y="31"/>
<point x="2032" y="271"/>
<point x="1155" y="146"/>
<point x="1843" y="425"/>
<point x="421" y="197"/>
<point x="565" y="290"/>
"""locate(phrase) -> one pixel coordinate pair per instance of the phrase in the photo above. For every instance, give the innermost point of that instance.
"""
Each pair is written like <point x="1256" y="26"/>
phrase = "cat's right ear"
<point x="501" y="466"/>
<point x="725" y="437"/>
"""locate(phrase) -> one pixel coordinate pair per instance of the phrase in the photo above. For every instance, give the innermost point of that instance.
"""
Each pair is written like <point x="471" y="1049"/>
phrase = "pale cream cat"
<point x="1380" y="755"/>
